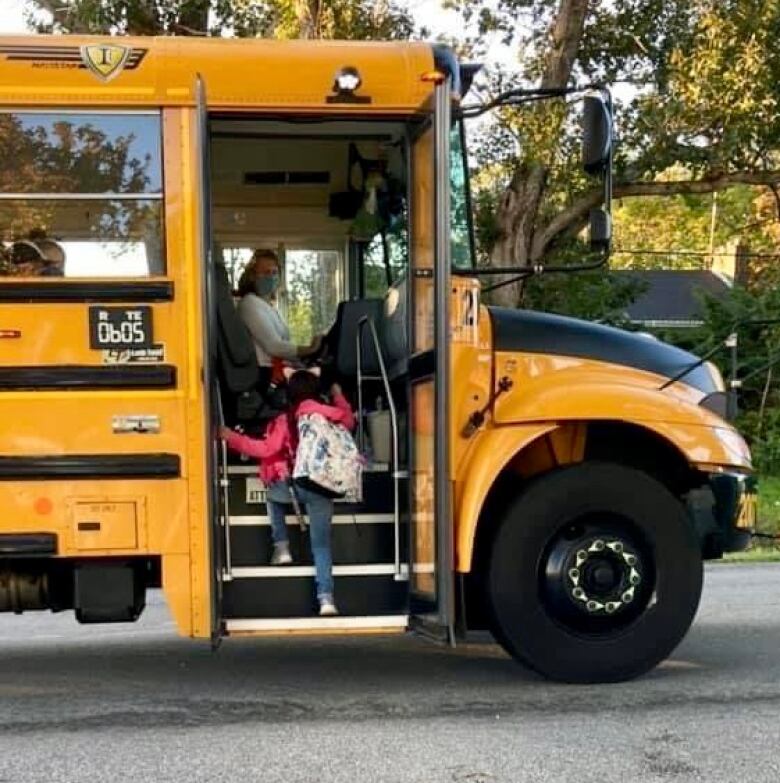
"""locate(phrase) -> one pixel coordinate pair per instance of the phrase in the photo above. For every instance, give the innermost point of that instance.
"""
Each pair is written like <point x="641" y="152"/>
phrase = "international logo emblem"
<point x="105" y="60"/>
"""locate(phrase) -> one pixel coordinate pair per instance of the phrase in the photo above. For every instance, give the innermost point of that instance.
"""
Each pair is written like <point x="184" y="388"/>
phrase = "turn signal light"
<point x="437" y="77"/>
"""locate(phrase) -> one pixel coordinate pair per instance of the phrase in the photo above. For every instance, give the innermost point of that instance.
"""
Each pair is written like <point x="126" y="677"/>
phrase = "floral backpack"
<point x="327" y="461"/>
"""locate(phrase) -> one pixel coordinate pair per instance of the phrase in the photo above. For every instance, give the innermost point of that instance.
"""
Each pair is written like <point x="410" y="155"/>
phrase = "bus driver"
<point x="258" y="288"/>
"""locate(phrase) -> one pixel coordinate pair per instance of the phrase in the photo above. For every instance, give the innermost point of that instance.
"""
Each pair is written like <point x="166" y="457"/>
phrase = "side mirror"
<point x="600" y="230"/>
<point x="596" y="135"/>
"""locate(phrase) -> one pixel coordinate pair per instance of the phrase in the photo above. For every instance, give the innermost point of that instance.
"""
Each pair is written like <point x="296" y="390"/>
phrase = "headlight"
<point x="734" y="444"/>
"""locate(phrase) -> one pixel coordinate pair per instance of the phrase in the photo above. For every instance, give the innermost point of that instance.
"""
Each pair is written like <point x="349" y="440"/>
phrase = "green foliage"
<point x="755" y="317"/>
<point x="701" y="103"/>
<point x="769" y="504"/>
<point x="595" y="296"/>
<point x="347" y="19"/>
<point x="311" y="293"/>
<point x="681" y="224"/>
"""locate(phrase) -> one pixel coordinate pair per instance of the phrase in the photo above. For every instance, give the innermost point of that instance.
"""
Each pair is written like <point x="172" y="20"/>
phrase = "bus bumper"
<point x="724" y="513"/>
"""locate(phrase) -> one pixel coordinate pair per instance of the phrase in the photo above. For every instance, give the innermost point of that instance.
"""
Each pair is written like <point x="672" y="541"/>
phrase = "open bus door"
<point x="215" y="458"/>
<point x="431" y="540"/>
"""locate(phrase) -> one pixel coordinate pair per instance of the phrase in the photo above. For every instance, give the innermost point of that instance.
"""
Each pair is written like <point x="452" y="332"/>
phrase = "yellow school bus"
<point x="554" y="481"/>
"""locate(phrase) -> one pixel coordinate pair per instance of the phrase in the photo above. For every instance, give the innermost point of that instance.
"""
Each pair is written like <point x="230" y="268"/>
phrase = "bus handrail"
<point x="399" y="573"/>
<point x="224" y="484"/>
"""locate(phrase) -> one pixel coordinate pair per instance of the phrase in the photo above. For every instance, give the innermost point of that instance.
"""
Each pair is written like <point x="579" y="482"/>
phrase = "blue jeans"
<point x="319" y="509"/>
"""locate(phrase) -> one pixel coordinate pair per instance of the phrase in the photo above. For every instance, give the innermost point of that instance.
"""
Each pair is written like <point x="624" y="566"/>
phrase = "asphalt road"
<point x="136" y="703"/>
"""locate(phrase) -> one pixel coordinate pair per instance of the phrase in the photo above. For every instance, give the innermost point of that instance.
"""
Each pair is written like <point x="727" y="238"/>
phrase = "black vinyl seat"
<point x="389" y="318"/>
<point x="343" y="337"/>
<point x="237" y="368"/>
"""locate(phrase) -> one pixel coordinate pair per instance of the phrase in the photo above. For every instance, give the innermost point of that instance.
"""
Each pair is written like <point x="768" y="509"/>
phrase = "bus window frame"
<point x="164" y="273"/>
<point x="460" y="123"/>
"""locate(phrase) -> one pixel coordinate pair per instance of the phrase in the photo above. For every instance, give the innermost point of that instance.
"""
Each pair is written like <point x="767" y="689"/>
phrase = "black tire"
<point x="558" y="523"/>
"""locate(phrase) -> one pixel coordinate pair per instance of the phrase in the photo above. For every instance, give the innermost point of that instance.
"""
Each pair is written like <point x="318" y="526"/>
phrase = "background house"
<point x="671" y="298"/>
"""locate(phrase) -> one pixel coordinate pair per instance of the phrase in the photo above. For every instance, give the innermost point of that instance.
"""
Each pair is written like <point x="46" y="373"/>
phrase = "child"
<point x="276" y="453"/>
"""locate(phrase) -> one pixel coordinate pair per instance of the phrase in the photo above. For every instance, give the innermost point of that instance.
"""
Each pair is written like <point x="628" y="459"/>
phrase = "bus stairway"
<point x="370" y="590"/>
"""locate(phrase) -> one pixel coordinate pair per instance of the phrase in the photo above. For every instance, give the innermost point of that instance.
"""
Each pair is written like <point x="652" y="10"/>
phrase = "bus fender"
<point x="704" y="440"/>
<point x="492" y="453"/>
<point x="700" y="435"/>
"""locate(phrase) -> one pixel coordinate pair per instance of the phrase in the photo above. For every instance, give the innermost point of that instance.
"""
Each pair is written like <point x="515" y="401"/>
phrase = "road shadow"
<point x="147" y="676"/>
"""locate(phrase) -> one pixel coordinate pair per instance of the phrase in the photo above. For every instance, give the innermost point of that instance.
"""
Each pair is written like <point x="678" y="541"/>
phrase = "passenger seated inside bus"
<point x="53" y="258"/>
<point x="33" y="258"/>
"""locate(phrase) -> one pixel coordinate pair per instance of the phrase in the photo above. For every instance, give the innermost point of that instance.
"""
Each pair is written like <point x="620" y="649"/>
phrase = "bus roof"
<point x="239" y="74"/>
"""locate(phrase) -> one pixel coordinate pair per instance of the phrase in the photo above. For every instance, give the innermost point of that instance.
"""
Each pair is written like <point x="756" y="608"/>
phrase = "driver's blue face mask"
<point x="266" y="285"/>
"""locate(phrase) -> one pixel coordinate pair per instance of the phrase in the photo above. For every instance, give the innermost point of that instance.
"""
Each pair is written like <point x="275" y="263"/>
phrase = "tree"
<point x="350" y="19"/>
<point x="679" y="232"/>
<point x="702" y="102"/>
<point x="66" y="156"/>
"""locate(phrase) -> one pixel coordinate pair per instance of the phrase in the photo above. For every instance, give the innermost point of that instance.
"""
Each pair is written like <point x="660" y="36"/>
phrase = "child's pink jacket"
<point x="274" y="451"/>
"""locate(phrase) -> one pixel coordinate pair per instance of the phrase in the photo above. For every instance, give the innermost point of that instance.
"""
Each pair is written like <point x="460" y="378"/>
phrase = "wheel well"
<point x="640" y="448"/>
<point x="609" y="441"/>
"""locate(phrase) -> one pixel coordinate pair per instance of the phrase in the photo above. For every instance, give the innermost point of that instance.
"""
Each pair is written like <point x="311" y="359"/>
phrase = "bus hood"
<point x="528" y="331"/>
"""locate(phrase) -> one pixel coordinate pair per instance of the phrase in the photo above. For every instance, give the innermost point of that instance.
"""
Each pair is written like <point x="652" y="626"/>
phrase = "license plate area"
<point x="120" y="327"/>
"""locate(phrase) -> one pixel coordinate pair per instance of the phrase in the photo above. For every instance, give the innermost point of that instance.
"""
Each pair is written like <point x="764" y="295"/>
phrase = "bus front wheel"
<point x="594" y="574"/>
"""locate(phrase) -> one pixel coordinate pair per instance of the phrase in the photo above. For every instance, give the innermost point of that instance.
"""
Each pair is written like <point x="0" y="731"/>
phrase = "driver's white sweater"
<point x="269" y="332"/>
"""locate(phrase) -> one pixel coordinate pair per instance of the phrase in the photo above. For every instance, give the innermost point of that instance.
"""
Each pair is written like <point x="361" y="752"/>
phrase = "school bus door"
<point x="216" y="464"/>
<point x="430" y="550"/>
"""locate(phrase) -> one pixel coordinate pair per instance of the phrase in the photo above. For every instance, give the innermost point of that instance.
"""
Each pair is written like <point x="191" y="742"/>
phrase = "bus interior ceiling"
<point x="281" y="185"/>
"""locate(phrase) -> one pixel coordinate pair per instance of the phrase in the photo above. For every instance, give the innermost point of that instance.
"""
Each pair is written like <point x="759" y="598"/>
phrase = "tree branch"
<point x="519" y="207"/>
<point x="62" y="15"/>
<point x="577" y="214"/>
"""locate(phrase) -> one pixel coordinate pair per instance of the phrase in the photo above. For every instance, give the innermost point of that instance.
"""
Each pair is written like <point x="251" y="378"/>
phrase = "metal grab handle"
<point x="224" y="484"/>
<point x="399" y="573"/>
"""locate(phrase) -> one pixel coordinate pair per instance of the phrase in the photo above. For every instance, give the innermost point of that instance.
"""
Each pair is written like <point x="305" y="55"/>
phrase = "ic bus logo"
<point x="105" y="60"/>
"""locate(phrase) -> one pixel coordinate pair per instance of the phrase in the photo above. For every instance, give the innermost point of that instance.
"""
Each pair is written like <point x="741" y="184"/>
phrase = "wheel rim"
<point x="597" y="575"/>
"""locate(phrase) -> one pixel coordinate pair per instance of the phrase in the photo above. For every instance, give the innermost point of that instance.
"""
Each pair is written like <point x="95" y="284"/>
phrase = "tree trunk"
<point x="518" y="210"/>
<point x="308" y="15"/>
<point x="194" y="18"/>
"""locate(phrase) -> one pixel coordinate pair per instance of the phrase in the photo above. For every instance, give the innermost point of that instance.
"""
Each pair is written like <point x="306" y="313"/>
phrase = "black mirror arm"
<point x="477" y="419"/>
<point x="521" y="274"/>
<point x="523" y="95"/>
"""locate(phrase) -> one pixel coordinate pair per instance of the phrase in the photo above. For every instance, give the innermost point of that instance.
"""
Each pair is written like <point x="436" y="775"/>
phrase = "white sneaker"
<point x="281" y="554"/>
<point x="327" y="607"/>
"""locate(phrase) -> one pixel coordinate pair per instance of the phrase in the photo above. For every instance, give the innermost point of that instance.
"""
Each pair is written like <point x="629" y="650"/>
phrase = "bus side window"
<point x="81" y="194"/>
